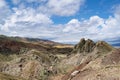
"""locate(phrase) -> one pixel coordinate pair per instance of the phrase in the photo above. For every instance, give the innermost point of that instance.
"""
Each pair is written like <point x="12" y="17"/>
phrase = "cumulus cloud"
<point x="37" y="22"/>
<point x="2" y="3"/>
<point x="75" y="29"/>
<point x="53" y="7"/>
<point x="4" y="11"/>
<point x="25" y="20"/>
<point x="27" y="17"/>
<point x="72" y="26"/>
<point x="64" y="7"/>
<point x="112" y="25"/>
<point x="15" y="2"/>
<point x="95" y="28"/>
<point x="30" y="1"/>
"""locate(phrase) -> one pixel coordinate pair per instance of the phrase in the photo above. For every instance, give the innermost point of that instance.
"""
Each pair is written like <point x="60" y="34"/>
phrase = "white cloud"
<point x="52" y="7"/>
<point x="89" y="26"/>
<point x="2" y="3"/>
<point x="95" y="28"/>
<point x="4" y="11"/>
<point x="75" y="29"/>
<point x="72" y="26"/>
<point x="64" y="7"/>
<point x="111" y="28"/>
<point x="28" y="1"/>
<point x="25" y="17"/>
<point x="36" y="22"/>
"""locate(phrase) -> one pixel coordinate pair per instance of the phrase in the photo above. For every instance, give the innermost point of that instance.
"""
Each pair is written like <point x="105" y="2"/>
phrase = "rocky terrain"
<point x="96" y="61"/>
<point x="30" y="59"/>
<point x="37" y="59"/>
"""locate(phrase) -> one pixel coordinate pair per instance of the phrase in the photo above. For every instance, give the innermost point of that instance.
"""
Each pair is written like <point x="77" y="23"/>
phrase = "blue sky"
<point x="63" y="21"/>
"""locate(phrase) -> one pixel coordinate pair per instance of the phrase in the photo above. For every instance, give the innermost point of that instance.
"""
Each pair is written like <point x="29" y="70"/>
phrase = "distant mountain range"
<point x="116" y="45"/>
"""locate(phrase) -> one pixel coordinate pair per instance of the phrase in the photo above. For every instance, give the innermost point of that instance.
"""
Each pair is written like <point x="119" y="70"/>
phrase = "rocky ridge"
<point x="88" y="46"/>
<point x="100" y="59"/>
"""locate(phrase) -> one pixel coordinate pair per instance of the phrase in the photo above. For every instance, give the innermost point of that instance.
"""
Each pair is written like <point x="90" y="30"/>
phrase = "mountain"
<point x="38" y="59"/>
<point x="116" y="45"/>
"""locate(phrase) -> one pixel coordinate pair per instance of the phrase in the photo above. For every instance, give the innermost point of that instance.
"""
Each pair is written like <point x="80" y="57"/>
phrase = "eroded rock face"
<point x="88" y="46"/>
<point x="84" y="46"/>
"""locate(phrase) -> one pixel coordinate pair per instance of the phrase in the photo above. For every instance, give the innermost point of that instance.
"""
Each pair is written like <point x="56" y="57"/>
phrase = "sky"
<point x="65" y="21"/>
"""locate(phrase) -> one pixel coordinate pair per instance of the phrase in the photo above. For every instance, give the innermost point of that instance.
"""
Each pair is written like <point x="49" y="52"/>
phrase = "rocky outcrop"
<point x="84" y="46"/>
<point x="102" y="46"/>
<point x="88" y="46"/>
<point x="98" y="58"/>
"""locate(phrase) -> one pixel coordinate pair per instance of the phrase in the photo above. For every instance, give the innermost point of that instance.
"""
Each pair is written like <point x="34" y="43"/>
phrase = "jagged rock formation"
<point x="84" y="46"/>
<point x="88" y="46"/>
